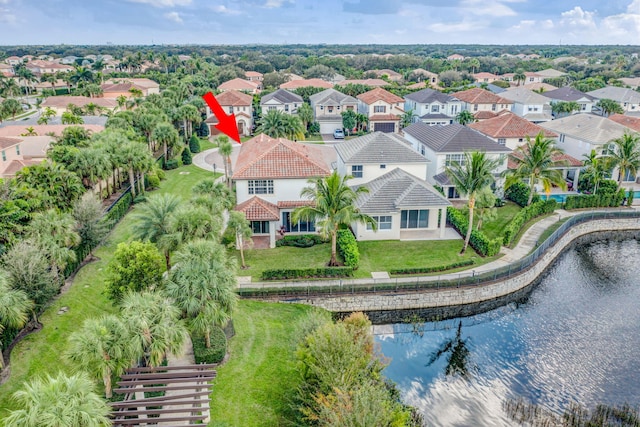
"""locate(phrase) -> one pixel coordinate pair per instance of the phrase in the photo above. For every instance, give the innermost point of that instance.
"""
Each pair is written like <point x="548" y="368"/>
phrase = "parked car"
<point x="338" y="134"/>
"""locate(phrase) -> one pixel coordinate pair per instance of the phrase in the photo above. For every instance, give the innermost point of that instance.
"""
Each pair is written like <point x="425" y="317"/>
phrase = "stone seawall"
<point x="454" y="297"/>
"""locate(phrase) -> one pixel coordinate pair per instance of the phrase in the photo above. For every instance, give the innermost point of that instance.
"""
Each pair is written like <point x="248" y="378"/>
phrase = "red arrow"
<point x="226" y="124"/>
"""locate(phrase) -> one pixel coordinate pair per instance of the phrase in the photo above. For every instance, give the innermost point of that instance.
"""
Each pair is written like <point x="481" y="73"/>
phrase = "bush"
<point x="348" y="248"/>
<point x="194" y="144"/>
<point x="160" y="174"/>
<point x="186" y="156"/>
<point x="140" y="198"/>
<point x="595" y="201"/>
<point x="534" y="210"/>
<point x="153" y="181"/>
<point x="306" y="273"/>
<point x="425" y="270"/>
<point x="213" y="354"/>
<point x="171" y="164"/>
<point x="519" y="193"/>
<point x="478" y="241"/>
<point x="119" y="209"/>
<point x="630" y="196"/>
<point x="499" y="202"/>
<point x="300" y="240"/>
<point x="314" y="127"/>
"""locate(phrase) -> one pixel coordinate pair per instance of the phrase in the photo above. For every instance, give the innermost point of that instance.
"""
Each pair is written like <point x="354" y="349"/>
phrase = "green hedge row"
<point x="300" y="240"/>
<point x="119" y="209"/>
<point x="434" y="269"/>
<point x="536" y="209"/>
<point x="213" y="354"/>
<point x="478" y="241"/>
<point x="519" y="193"/>
<point x="595" y="201"/>
<point x="306" y="273"/>
<point x="348" y="248"/>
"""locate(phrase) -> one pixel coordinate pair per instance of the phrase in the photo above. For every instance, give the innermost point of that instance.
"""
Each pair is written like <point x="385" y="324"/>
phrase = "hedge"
<point x="595" y="201"/>
<point x="213" y="354"/>
<point x="434" y="269"/>
<point x="300" y="240"/>
<point x="187" y="159"/>
<point x="348" y="248"/>
<point x="534" y="210"/>
<point x="171" y="164"/>
<point x="119" y="209"/>
<point x="519" y="193"/>
<point x="194" y="144"/>
<point x="478" y="241"/>
<point x="306" y="273"/>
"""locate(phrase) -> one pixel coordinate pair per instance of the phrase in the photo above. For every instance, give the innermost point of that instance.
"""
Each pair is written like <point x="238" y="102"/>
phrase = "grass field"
<point x="506" y="213"/>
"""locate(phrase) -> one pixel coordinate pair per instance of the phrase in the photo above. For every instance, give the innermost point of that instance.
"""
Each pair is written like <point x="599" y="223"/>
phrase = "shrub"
<point x="153" y="181"/>
<point x="306" y="273"/>
<point x="519" y="193"/>
<point x="348" y="248"/>
<point x="186" y="156"/>
<point x="314" y="127"/>
<point x="140" y="198"/>
<point x="160" y="174"/>
<point x="194" y="144"/>
<point x="595" y="201"/>
<point x="630" y="196"/>
<point x="478" y="241"/>
<point x="300" y="240"/>
<point x="499" y="202"/>
<point x="213" y="354"/>
<point x="425" y="270"/>
<point x="171" y="164"/>
<point x="534" y="210"/>
<point x="119" y="209"/>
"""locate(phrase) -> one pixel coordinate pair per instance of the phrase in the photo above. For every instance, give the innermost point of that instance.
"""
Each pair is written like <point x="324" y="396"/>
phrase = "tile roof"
<point x="120" y="87"/>
<point x="398" y="189"/>
<point x="138" y="81"/>
<point x="332" y="97"/>
<point x="538" y="86"/>
<point x="384" y="117"/>
<point x="80" y="101"/>
<point x="18" y="130"/>
<point x="378" y="94"/>
<point x="295" y="84"/>
<point x="257" y="209"/>
<point x="6" y="142"/>
<point x="509" y="125"/>
<point x="484" y="115"/>
<point x="289" y="204"/>
<point x="283" y="96"/>
<point x="253" y="74"/>
<point x="238" y="84"/>
<point x="550" y="72"/>
<point x="628" y="121"/>
<point x="234" y="98"/>
<point x="567" y="93"/>
<point x="419" y="85"/>
<point x="378" y="147"/>
<point x="16" y="165"/>
<point x="523" y="95"/>
<point x="618" y="94"/>
<point x="453" y="138"/>
<point x="587" y="127"/>
<point x="264" y="157"/>
<point x="480" y="96"/>
<point x="442" y="179"/>
<point x="427" y="96"/>
<point x="366" y="82"/>
<point x="560" y="160"/>
<point x="485" y="75"/>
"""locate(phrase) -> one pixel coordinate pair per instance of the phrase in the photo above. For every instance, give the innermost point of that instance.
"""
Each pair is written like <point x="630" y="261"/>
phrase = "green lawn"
<point x="258" y="260"/>
<point x="494" y="228"/>
<point x="255" y="386"/>
<point x="43" y="351"/>
<point x="205" y="144"/>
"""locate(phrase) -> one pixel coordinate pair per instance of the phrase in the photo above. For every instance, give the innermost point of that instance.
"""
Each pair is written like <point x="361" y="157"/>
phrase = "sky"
<point x="320" y="21"/>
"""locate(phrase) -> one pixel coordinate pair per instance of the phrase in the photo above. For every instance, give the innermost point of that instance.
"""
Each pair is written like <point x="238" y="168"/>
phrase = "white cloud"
<point x="173" y="16"/>
<point x="222" y="9"/>
<point x="274" y="4"/>
<point x="579" y="19"/>
<point x="6" y="16"/>
<point x="625" y="26"/>
<point x="163" y="3"/>
<point x="491" y="8"/>
<point x="461" y="26"/>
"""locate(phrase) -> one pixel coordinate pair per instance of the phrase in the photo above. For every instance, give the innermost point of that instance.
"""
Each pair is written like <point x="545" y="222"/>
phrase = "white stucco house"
<point x="383" y="108"/>
<point x="432" y="106"/>
<point x="327" y="107"/>
<point x="569" y="94"/>
<point x="281" y="100"/>
<point x="628" y="99"/>
<point x="529" y="104"/>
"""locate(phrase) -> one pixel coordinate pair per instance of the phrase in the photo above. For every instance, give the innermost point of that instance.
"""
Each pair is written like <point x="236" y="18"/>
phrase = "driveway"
<point x="328" y="138"/>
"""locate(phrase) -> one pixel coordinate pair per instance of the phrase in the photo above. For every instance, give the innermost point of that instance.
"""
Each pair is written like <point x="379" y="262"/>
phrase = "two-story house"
<point x="383" y="108"/>
<point x="510" y="130"/>
<point x="529" y="104"/>
<point x="445" y="145"/>
<point x="281" y="100"/>
<point x="18" y="152"/>
<point x="254" y="76"/>
<point x="238" y="103"/>
<point x="432" y="107"/>
<point x="482" y="103"/>
<point x="628" y="99"/>
<point x="252" y="87"/>
<point x="327" y="107"/>
<point x="569" y="94"/>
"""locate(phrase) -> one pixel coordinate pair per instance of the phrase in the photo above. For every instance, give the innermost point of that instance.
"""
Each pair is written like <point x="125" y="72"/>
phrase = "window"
<point x="356" y="171"/>
<point x="301" y="227"/>
<point x="379" y="108"/>
<point x="338" y="107"/>
<point x="383" y="166"/>
<point x="520" y="140"/>
<point x="272" y="108"/>
<point x="230" y="110"/>
<point x="18" y="149"/>
<point x="493" y="107"/>
<point x="475" y="107"/>
<point x="450" y="159"/>
<point x="435" y="108"/>
<point x="261" y="186"/>
<point x="384" y="222"/>
<point x="561" y="139"/>
<point x="322" y="107"/>
<point x="330" y="109"/>
<point x="422" y="149"/>
<point x="286" y="107"/>
<point x="608" y="149"/>
<point x="584" y="107"/>
<point x="260" y="227"/>
<point x="502" y="141"/>
<point x="4" y="156"/>
<point x="414" y="218"/>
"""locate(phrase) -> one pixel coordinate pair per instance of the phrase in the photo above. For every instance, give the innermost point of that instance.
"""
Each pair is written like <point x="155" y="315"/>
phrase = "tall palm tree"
<point x="55" y="233"/>
<point x="334" y="207"/>
<point x="15" y="306"/>
<point x="609" y="106"/>
<point x="305" y="113"/>
<point x="135" y="157"/>
<point x="465" y="117"/>
<point x="225" y="148"/>
<point x="407" y="118"/>
<point x="81" y="75"/>
<point x="519" y="76"/>
<point x="153" y="220"/>
<point x="242" y="229"/>
<point x="471" y="176"/>
<point x="59" y="186"/>
<point x="102" y="347"/>
<point x="190" y="116"/>
<point x="203" y="286"/>
<point x="626" y="155"/>
<point x="57" y="401"/>
<point x="154" y="326"/>
<point x="535" y="162"/>
<point x="165" y="134"/>
<point x="596" y="168"/>
<point x="278" y="124"/>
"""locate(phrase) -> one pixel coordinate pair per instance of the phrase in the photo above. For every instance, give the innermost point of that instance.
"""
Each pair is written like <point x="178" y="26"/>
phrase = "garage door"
<point x="329" y="127"/>
<point x="384" y="127"/>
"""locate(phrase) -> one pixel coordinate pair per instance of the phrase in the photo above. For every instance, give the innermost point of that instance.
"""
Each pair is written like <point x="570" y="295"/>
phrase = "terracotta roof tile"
<point x="18" y="130"/>
<point x="562" y="159"/>
<point x="366" y="82"/>
<point x="477" y="95"/>
<point x="6" y="142"/>
<point x="378" y="94"/>
<point x="485" y="115"/>
<point x="253" y="74"/>
<point x="628" y="121"/>
<point x="16" y="165"/>
<point x="509" y="125"/>
<point x="289" y="204"/>
<point x="80" y="101"/>
<point x="233" y="98"/>
<point x="295" y="84"/>
<point x="257" y="209"/>
<point x="238" y="84"/>
<point x="381" y="117"/>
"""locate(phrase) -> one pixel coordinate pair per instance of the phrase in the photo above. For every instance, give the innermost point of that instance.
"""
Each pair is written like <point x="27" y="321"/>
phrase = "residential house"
<point x="281" y="100"/>
<point x="530" y="77"/>
<point x="478" y="100"/>
<point x="550" y="73"/>
<point x="241" y="85"/>
<point x="116" y="90"/>
<point x="17" y="131"/>
<point x="383" y="109"/>
<point x="426" y="76"/>
<point x="366" y="82"/>
<point x="254" y="76"/>
<point x="569" y="94"/>
<point x="455" y="57"/>
<point x="13" y="60"/>
<point x="6" y="70"/>
<point x="510" y="130"/>
<point x="539" y="87"/>
<point x="146" y="86"/>
<point x="485" y="77"/>
<point x="393" y="76"/>
<point x="238" y="103"/>
<point x="433" y="107"/>
<point x="40" y="67"/>
<point x="632" y="123"/>
<point x="633" y="82"/>
<point x="528" y="104"/>
<point x="269" y="176"/>
<point x="18" y="152"/>
<point x="298" y="83"/>
<point x="445" y="145"/>
<point x="59" y="103"/>
<point x="628" y="99"/>
<point x="327" y="107"/>
<point x="568" y="166"/>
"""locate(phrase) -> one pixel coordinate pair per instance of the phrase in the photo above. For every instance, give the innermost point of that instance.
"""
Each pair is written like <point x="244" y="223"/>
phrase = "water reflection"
<point x="458" y="358"/>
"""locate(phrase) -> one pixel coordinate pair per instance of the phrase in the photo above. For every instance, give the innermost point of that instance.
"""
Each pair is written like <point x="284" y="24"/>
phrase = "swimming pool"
<point x="561" y="198"/>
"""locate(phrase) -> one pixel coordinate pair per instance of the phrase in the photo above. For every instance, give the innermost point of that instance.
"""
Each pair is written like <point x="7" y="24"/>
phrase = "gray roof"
<point x="618" y="94"/>
<point x="281" y="95"/>
<point x="396" y="190"/>
<point x="587" y="127"/>
<point x="453" y="138"/>
<point x="567" y="93"/>
<point x="442" y="179"/>
<point x="331" y="97"/>
<point x="433" y="116"/>
<point x="490" y="87"/>
<point x="378" y="147"/>
<point x="427" y="96"/>
<point x="523" y="95"/>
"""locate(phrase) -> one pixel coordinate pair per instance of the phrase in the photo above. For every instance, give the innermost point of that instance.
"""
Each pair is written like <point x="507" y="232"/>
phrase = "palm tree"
<point x="225" y="148"/>
<point x="305" y="114"/>
<point x="596" y="168"/>
<point x="465" y="117"/>
<point x="135" y="157"/>
<point x="469" y="177"/>
<point x="15" y="306"/>
<point x="334" y="207"/>
<point x="609" y="106"/>
<point x="81" y="75"/>
<point x="190" y="115"/>
<point x="55" y="233"/>
<point x="59" y="186"/>
<point x="69" y="401"/>
<point x="153" y="220"/>
<point x="216" y="191"/>
<point x="203" y="286"/>
<point x="519" y="76"/>
<point x="361" y="121"/>
<point x="102" y="348"/>
<point x="12" y="107"/>
<point x="626" y="155"/>
<point x="278" y="124"/>
<point x="535" y="162"/>
<point x="407" y="118"/>
<point x="154" y="326"/>
<point x="242" y="229"/>
<point x="165" y="134"/>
